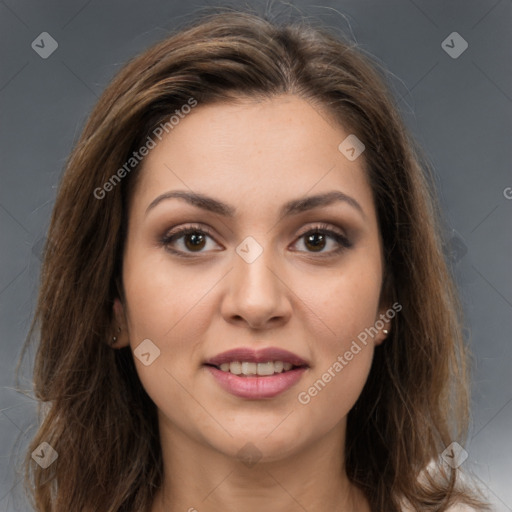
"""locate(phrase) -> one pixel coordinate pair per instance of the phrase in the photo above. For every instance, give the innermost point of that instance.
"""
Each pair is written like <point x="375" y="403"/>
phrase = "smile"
<point x="251" y="374"/>
<point x="247" y="368"/>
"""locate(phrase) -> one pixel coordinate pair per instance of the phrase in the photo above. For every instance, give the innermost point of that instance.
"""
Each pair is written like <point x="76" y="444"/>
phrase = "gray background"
<point x="459" y="109"/>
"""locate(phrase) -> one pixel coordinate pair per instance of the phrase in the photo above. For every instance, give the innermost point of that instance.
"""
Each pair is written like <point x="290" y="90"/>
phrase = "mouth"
<point x="251" y="374"/>
<point x="252" y="369"/>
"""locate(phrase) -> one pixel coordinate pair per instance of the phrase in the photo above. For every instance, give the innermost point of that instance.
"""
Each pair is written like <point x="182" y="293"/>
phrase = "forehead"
<point x="253" y="153"/>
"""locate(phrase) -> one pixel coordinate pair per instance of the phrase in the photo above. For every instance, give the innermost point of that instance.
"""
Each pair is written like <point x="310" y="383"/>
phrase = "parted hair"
<point x="94" y="411"/>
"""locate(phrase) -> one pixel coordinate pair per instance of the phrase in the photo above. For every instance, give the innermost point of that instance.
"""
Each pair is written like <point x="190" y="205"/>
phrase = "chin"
<point x="262" y="444"/>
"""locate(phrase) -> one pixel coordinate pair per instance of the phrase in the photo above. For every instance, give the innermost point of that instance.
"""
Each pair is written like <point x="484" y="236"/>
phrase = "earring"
<point x="385" y="331"/>
<point x="114" y="338"/>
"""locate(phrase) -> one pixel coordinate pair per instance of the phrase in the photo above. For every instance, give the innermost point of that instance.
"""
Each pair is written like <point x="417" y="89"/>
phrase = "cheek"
<point x="161" y="299"/>
<point x="343" y="355"/>
<point x="154" y="311"/>
<point x="344" y="304"/>
<point x="347" y="306"/>
<point x="172" y="322"/>
<point x="331" y="392"/>
<point x="169" y="308"/>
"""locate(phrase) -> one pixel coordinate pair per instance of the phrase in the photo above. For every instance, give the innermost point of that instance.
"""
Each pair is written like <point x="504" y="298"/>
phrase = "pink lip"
<point x="256" y="386"/>
<point x="257" y="356"/>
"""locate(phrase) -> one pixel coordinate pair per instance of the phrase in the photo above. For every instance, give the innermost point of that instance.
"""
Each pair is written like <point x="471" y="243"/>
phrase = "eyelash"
<point x="167" y="239"/>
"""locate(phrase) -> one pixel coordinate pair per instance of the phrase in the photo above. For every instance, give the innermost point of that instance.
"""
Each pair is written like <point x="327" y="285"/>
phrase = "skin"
<point x="254" y="156"/>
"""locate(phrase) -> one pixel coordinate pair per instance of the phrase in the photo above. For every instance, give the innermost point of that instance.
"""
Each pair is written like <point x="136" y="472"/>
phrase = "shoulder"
<point x="454" y="508"/>
<point x="434" y="470"/>
<point x="461" y="508"/>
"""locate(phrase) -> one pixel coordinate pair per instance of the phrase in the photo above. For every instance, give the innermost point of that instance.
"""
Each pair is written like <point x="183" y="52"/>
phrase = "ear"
<point x="119" y="333"/>
<point x="383" y="324"/>
<point x="386" y="313"/>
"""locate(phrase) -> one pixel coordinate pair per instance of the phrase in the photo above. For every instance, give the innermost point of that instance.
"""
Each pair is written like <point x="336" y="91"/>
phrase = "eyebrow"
<point x="292" y="207"/>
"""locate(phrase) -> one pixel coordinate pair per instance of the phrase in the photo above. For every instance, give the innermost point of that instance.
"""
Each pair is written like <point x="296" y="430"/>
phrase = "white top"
<point x="432" y="468"/>
<point x="454" y="508"/>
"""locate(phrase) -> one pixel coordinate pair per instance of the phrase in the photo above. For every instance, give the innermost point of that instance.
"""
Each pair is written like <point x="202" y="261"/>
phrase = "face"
<point x="266" y="276"/>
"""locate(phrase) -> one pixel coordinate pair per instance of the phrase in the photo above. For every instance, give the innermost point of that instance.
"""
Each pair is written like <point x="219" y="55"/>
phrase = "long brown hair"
<point x="98" y="417"/>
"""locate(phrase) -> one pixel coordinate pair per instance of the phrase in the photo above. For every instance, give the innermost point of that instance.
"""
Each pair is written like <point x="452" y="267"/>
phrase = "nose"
<point x="257" y="293"/>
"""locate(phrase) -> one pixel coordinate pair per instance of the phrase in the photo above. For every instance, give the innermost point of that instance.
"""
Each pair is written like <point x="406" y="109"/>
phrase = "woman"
<point x="244" y="301"/>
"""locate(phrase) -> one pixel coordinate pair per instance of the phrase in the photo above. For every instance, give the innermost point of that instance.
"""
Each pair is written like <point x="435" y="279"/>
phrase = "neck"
<point x="200" y="478"/>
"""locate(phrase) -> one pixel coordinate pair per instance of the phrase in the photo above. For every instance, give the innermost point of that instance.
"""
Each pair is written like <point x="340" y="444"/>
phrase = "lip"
<point x="257" y="356"/>
<point x="256" y="387"/>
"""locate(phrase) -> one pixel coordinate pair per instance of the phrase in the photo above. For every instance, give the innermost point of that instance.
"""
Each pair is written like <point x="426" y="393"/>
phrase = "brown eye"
<point x="318" y="238"/>
<point x="195" y="240"/>
<point x="191" y="239"/>
<point x="316" y="241"/>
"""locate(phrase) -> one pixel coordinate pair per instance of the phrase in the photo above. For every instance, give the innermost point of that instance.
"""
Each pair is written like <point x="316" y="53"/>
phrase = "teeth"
<point x="235" y="368"/>
<point x="247" y="368"/>
<point x="266" y="368"/>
